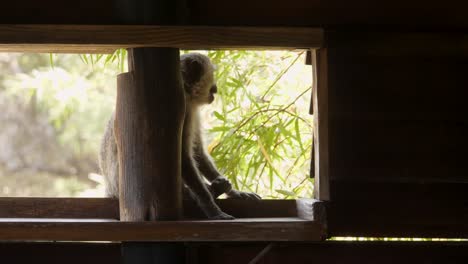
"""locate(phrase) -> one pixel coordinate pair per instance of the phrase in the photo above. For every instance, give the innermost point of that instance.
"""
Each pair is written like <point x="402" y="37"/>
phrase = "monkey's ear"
<point x="192" y="71"/>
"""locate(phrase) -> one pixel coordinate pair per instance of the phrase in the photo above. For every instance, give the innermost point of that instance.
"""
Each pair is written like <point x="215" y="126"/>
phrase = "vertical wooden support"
<point x="149" y="120"/>
<point x="320" y="153"/>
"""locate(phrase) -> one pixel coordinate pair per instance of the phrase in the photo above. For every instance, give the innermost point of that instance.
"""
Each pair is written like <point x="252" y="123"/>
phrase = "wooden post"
<point x="149" y="120"/>
<point x="320" y="155"/>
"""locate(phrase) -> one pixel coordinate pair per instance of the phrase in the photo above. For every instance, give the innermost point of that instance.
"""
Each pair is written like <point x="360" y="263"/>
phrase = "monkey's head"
<point x="198" y="78"/>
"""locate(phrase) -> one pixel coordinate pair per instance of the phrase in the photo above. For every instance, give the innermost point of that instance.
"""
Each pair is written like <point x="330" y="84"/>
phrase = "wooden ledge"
<point x="259" y="229"/>
<point x="108" y="208"/>
<point x="95" y="219"/>
<point x="106" y="39"/>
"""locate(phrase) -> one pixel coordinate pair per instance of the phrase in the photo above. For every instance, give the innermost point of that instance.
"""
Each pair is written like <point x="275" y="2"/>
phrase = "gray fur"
<point x="199" y="85"/>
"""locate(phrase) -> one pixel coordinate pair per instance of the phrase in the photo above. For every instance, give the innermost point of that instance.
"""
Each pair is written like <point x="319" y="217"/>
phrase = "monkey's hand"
<point x="222" y="216"/>
<point x="235" y="194"/>
<point x="219" y="186"/>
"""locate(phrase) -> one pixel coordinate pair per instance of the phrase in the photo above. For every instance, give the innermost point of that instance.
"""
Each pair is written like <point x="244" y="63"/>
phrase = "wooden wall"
<point x="398" y="133"/>
<point x="399" y="13"/>
<point x="327" y="252"/>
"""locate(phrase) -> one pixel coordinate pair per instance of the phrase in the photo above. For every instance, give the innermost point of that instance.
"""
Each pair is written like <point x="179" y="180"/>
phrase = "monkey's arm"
<point x="219" y="183"/>
<point x="192" y="179"/>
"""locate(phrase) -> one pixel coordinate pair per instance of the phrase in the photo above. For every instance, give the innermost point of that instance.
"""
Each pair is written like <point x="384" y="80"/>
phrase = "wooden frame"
<point x="39" y="219"/>
<point x="106" y="39"/>
<point x="320" y="112"/>
<point x="95" y="218"/>
<point x="360" y="252"/>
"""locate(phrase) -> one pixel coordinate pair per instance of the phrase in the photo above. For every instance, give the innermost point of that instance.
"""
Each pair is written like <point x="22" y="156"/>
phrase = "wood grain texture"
<point x="108" y="208"/>
<point x="149" y="118"/>
<point x="233" y="253"/>
<point x="398" y="126"/>
<point x="105" y="39"/>
<point x="58" y="253"/>
<point x="398" y="209"/>
<point x="260" y="229"/>
<point x="20" y="207"/>
<point x="321" y="116"/>
<point x="363" y="13"/>
<point x="311" y="209"/>
<point x="398" y="106"/>
<point x="354" y="252"/>
<point x="389" y="44"/>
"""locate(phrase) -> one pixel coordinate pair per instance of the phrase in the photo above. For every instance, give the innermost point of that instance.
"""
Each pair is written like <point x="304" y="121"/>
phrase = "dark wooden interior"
<point x="398" y="131"/>
<point x="404" y="15"/>
<point x="396" y="78"/>
<point x="231" y="253"/>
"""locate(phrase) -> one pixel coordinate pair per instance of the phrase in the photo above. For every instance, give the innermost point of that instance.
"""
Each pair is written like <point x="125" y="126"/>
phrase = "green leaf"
<point x="51" y="60"/>
<point x="219" y="116"/>
<point x="298" y="134"/>
<point x="287" y="193"/>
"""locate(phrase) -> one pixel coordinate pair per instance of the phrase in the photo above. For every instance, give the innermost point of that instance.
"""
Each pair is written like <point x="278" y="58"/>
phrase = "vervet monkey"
<point x="200" y="87"/>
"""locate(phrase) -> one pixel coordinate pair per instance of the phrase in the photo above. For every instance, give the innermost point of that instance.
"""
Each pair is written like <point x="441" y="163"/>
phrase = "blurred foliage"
<point x="53" y="123"/>
<point x="263" y="129"/>
<point x="258" y="130"/>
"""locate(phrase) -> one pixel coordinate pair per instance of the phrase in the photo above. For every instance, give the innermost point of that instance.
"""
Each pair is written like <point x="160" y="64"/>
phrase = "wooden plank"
<point x="393" y="85"/>
<point x="337" y="252"/>
<point x="260" y="229"/>
<point x="24" y="207"/>
<point x="108" y="208"/>
<point x="95" y="38"/>
<point x="429" y="150"/>
<point x="248" y="209"/>
<point x="400" y="44"/>
<point x="57" y="253"/>
<point x="361" y="189"/>
<point x="310" y="209"/>
<point x="360" y="252"/>
<point x="365" y="13"/>
<point x="398" y="209"/>
<point x="398" y="218"/>
<point x="321" y="139"/>
<point x="397" y="106"/>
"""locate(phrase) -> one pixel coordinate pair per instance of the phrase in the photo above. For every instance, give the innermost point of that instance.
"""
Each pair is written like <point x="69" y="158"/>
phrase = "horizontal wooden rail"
<point x="95" y="219"/>
<point x="105" y="39"/>
<point x="397" y="209"/>
<point x="232" y="253"/>
<point x="108" y="208"/>
<point x="254" y="229"/>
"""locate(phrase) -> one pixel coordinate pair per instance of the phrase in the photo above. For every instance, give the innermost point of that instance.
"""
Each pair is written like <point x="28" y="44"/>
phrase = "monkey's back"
<point x="109" y="160"/>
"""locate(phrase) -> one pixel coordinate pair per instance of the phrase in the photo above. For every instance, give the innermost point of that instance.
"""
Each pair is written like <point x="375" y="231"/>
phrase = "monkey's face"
<point x="198" y="77"/>
<point x="203" y="92"/>
<point x="213" y="91"/>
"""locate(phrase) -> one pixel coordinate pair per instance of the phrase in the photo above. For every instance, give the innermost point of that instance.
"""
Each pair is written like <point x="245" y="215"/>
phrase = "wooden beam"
<point x="399" y="45"/>
<point x="108" y="208"/>
<point x="386" y="209"/>
<point x="280" y="220"/>
<point x="105" y="39"/>
<point x="150" y="114"/>
<point x="260" y="229"/>
<point x="351" y="252"/>
<point x="28" y="207"/>
<point x="148" y="124"/>
<point x="56" y="253"/>
<point x="363" y="13"/>
<point x="320" y="111"/>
